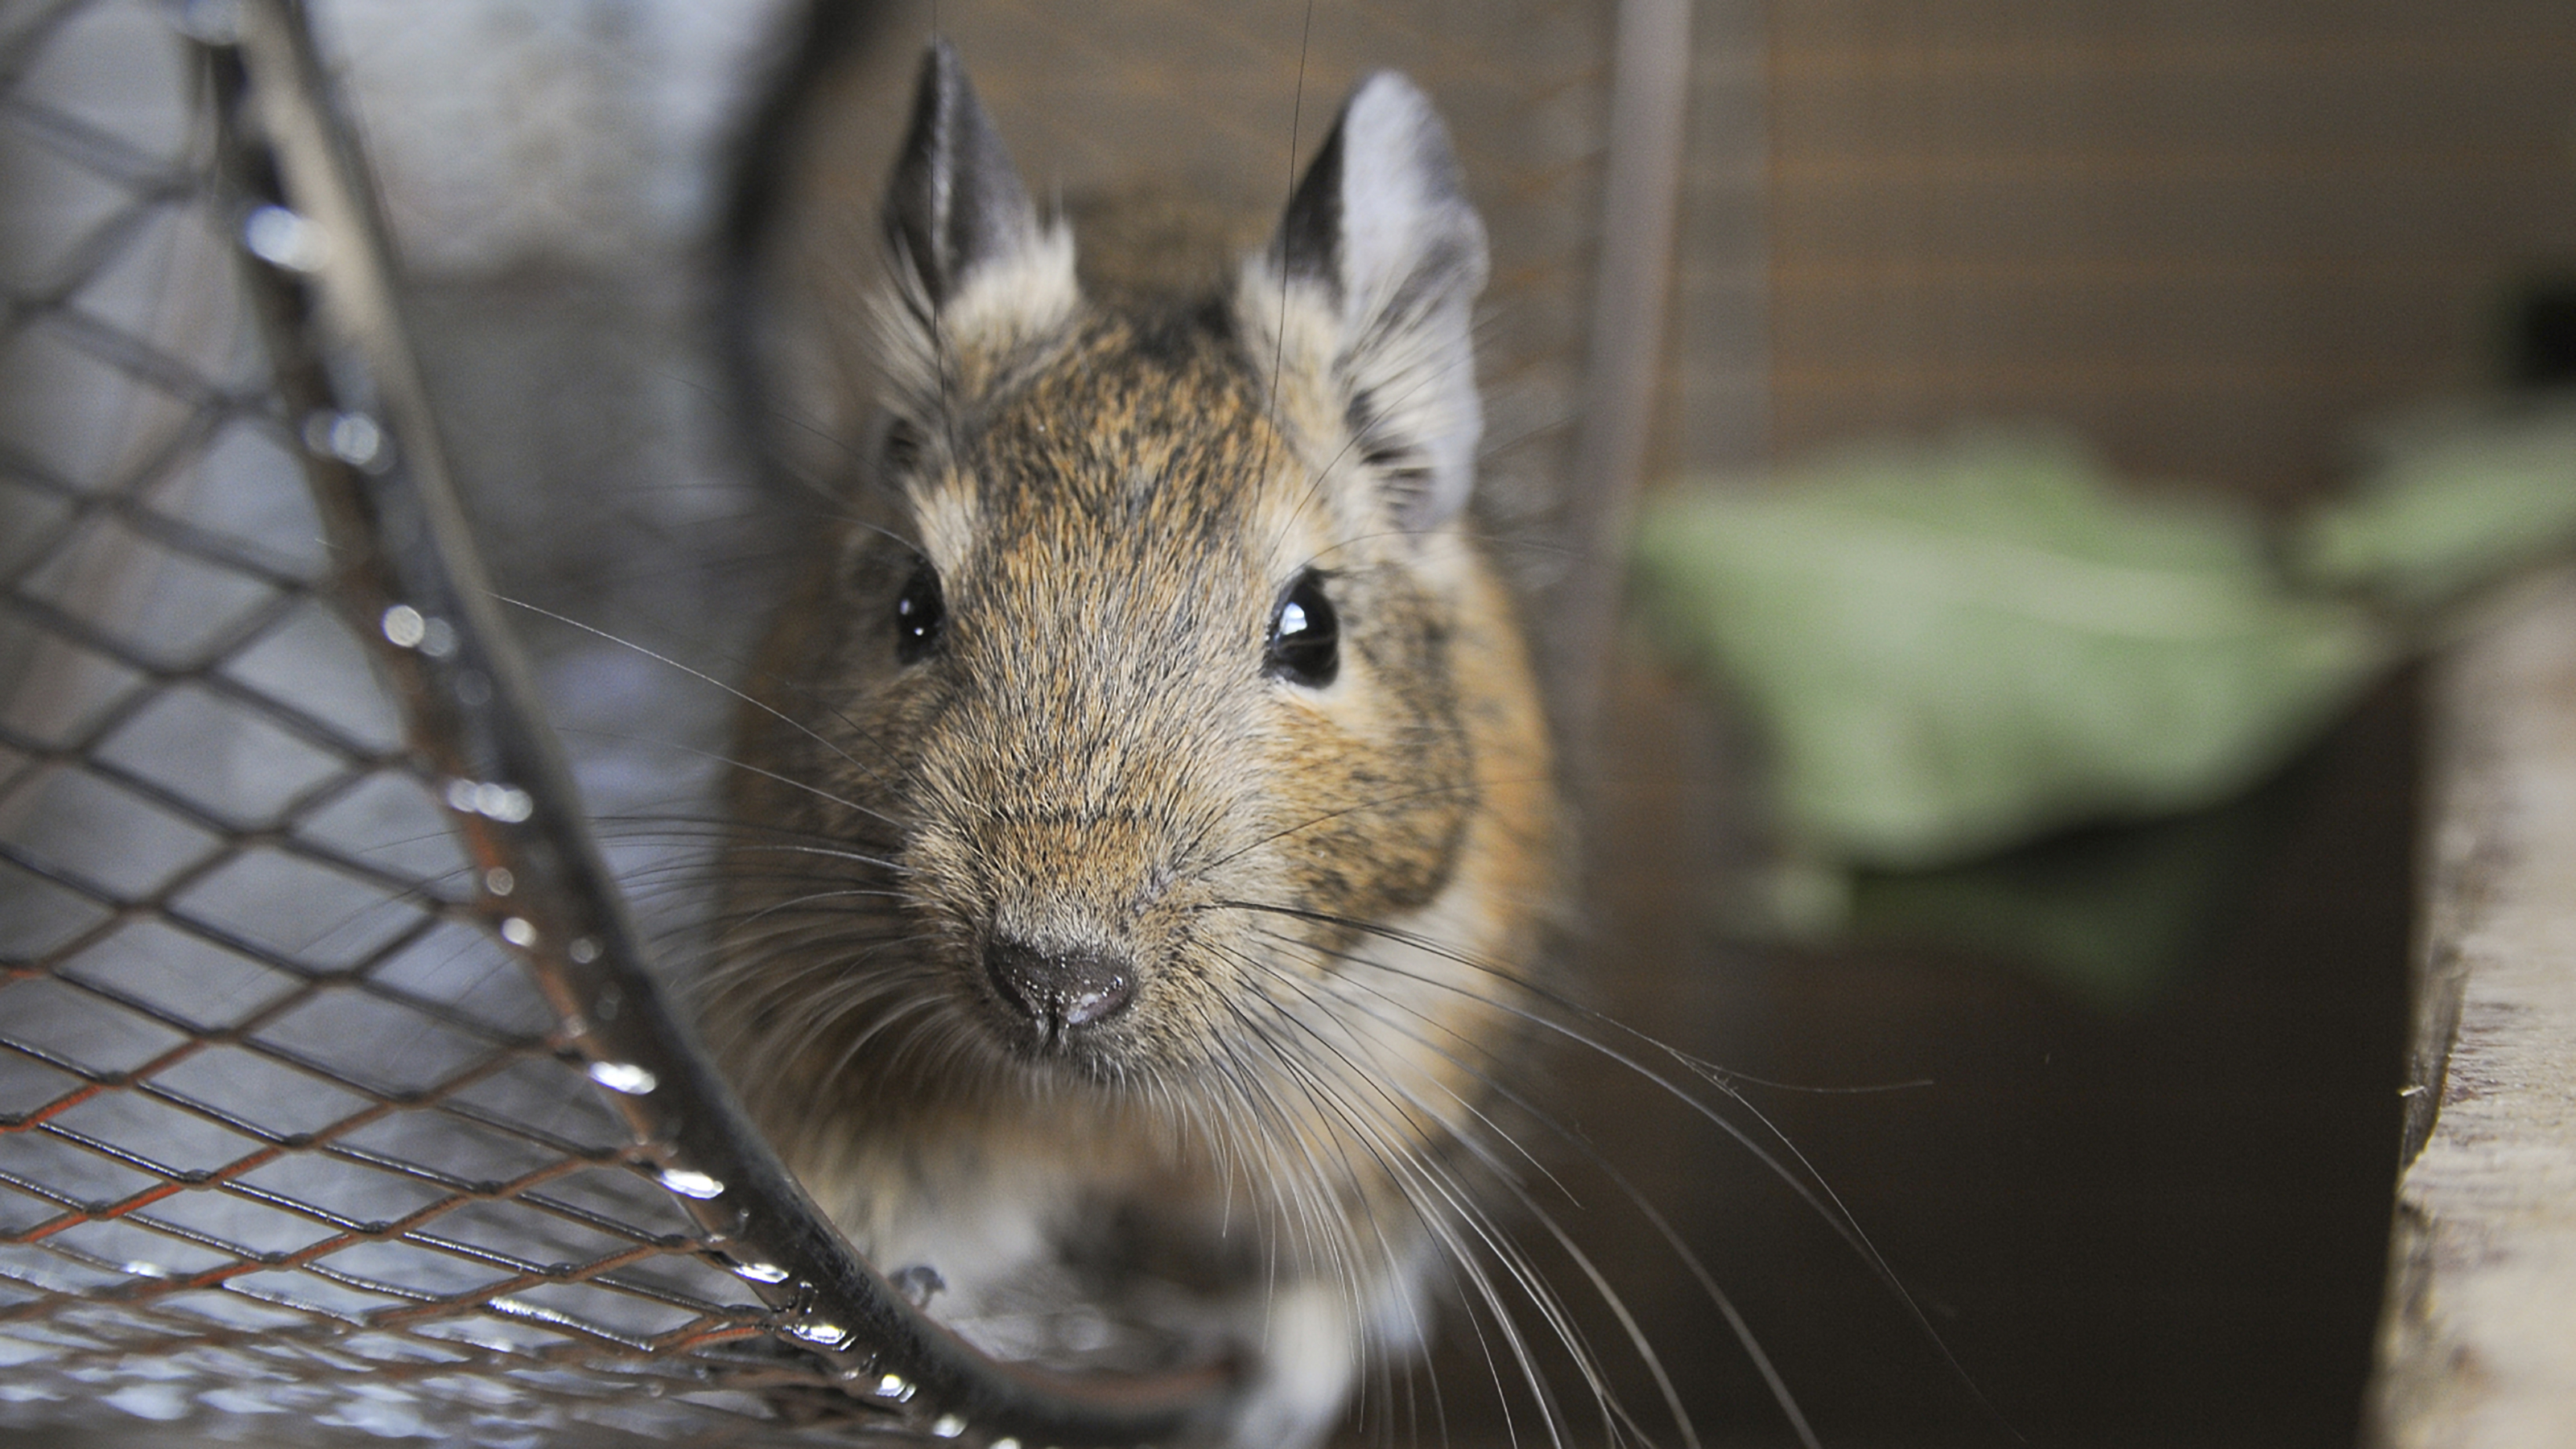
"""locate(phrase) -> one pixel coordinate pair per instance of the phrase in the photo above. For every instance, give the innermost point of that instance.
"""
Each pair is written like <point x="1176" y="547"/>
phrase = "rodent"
<point x="1138" y="795"/>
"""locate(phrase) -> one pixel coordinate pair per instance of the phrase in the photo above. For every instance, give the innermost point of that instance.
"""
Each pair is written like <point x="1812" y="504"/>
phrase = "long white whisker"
<point x="1462" y="1203"/>
<point x="703" y="677"/>
<point x="731" y="763"/>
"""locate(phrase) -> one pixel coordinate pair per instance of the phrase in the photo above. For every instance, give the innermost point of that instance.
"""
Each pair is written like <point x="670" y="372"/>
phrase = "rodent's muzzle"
<point x="1060" y="991"/>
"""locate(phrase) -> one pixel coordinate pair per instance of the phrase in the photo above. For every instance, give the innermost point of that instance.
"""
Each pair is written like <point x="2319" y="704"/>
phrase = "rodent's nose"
<point x="1059" y="990"/>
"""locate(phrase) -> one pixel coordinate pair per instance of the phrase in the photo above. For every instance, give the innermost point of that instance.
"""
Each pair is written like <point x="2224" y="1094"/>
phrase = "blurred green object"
<point x="1954" y="648"/>
<point x="2457" y="499"/>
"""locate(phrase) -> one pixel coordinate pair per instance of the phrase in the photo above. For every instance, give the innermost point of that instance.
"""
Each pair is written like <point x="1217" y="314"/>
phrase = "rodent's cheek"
<point x="1373" y="792"/>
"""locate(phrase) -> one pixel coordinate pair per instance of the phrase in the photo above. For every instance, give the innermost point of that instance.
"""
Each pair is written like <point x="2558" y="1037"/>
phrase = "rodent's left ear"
<point x="960" y="221"/>
<point x="1380" y="226"/>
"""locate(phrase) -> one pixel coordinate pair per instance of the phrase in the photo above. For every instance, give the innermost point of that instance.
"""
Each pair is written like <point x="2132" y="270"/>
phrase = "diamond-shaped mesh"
<point x="285" y="1132"/>
<point x="334" y="1100"/>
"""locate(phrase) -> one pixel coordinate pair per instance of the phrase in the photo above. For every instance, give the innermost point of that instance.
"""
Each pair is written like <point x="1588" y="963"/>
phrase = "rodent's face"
<point x="1155" y="734"/>
<point x="1153" y="692"/>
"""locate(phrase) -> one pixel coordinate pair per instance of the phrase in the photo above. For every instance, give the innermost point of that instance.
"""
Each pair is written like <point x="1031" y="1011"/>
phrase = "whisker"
<point x="1551" y="1309"/>
<point x="1380" y="803"/>
<point x="1807" y="1183"/>
<point x="1461" y="1200"/>
<point x="705" y="678"/>
<point x="731" y="763"/>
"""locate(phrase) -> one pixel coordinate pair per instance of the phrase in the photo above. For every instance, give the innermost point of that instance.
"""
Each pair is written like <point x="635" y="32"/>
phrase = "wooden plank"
<point x="2478" y="1335"/>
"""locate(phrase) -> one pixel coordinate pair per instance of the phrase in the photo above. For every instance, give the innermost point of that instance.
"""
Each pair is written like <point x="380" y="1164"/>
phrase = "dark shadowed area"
<point x="2153" y="1221"/>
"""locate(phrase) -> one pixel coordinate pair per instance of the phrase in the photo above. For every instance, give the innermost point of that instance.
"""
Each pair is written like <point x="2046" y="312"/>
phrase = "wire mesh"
<point x="335" y="1098"/>
<point x="301" y="1137"/>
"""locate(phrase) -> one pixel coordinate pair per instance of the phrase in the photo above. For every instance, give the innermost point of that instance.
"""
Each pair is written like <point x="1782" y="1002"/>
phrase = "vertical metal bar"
<point x="1650" y="96"/>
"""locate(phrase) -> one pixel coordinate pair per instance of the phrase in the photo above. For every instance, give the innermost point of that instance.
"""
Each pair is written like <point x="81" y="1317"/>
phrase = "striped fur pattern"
<point x="1262" y="1125"/>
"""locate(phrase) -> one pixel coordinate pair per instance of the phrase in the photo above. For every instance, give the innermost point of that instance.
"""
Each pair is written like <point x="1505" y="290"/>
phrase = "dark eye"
<point x="918" y="614"/>
<point x="1305" y="636"/>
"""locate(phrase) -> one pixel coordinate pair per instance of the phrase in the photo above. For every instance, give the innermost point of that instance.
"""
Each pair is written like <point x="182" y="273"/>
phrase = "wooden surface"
<point x="2478" y="1345"/>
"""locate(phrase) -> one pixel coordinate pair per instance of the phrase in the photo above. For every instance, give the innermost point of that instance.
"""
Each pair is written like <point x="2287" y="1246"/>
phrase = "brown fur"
<point x="1115" y="498"/>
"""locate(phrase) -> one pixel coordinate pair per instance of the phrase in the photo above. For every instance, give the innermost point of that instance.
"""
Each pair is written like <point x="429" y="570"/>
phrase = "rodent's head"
<point x="1159" y="668"/>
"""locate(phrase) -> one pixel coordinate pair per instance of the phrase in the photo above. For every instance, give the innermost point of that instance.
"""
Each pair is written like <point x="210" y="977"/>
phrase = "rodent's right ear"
<point x="960" y="223"/>
<point x="1381" y="232"/>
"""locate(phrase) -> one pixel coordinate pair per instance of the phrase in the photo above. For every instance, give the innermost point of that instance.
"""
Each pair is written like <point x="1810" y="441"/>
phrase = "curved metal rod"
<point x="323" y="287"/>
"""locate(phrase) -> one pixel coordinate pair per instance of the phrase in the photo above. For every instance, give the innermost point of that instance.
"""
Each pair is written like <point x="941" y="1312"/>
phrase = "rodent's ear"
<point x="1381" y="227"/>
<point x="955" y="212"/>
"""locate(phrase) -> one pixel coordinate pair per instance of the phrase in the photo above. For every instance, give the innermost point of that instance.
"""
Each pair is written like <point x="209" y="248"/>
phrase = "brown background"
<point x="2212" y="235"/>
